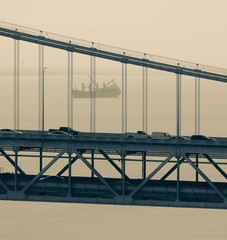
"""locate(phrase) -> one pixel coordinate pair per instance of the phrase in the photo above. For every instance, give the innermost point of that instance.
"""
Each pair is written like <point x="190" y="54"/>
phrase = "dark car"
<point x="201" y="137"/>
<point x="69" y="130"/>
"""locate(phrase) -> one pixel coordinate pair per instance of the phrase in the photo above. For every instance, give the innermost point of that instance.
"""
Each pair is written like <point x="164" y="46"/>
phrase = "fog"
<point x="193" y="30"/>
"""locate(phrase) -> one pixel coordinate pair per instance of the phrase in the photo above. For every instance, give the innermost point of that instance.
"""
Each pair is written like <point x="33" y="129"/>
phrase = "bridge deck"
<point x="118" y="152"/>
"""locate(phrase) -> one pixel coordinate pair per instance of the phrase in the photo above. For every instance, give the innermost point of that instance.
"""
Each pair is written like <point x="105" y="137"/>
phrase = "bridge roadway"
<point x="112" y="53"/>
<point x="115" y="149"/>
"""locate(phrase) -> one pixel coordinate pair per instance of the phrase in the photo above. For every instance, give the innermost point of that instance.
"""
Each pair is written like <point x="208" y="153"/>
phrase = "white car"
<point x="59" y="133"/>
<point x="8" y="130"/>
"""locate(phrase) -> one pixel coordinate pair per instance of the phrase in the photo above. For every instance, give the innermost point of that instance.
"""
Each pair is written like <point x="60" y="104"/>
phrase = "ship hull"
<point x="98" y="94"/>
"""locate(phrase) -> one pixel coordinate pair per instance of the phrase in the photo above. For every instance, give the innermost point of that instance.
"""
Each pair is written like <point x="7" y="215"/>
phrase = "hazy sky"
<point x="194" y="30"/>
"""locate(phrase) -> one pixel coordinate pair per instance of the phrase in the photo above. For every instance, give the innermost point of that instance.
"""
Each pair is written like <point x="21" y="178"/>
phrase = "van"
<point x="160" y="135"/>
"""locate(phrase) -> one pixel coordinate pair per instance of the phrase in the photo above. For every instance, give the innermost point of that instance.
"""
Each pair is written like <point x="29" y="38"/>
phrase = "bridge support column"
<point x="70" y="89"/>
<point x="144" y="100"/>
<point x="144" y="165"/>
<point x="16" y="164"/>
<point x="178" y="179"/>
<point x="16" y="84"/>
<point x="178" y="105"/>
<point x="70" y="173"/>
<point x="124" y="99"/>
<point x="197" y="165"/>
<point x="40" y="159"/>
<point x="92" y="94"/>
<point x="123" y="174"/>
<point x="92" y="162"/>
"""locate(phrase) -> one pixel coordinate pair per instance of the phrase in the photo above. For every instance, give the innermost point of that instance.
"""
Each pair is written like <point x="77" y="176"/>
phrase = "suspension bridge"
<point x="152" y="155"/>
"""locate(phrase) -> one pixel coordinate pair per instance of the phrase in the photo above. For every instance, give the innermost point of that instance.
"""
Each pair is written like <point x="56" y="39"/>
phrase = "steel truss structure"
<point x="152" y="156"/>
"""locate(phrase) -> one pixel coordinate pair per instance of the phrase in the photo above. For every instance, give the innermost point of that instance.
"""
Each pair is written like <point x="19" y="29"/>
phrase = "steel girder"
<point x="127" y="193"/>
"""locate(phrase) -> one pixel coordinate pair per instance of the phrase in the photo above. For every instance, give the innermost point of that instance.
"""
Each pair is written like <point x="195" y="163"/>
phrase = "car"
<point x="8" y="130"/>
<point x="69" y="130"/>
<point x="160" y="135"/>
<point x="201" y="137"/>
<point x="51" y="178"/>
<point x="178" y="137"/>
<point x="141" y="133"/>
<point x="57" y="132"/>
<point x="138" y="134"/>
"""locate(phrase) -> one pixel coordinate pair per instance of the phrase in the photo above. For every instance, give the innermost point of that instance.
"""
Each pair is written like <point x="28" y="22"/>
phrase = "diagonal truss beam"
<point x="96" y="173"/>
<point x="43" y="171"/>
<point x="215" y="165"/>
<point x="4" y="185"/>
<point x="172" y="169"/>
<point x="150" y="176"/>
<point x="113" y="164"/>
<point x="11" y="161"/>
<point x="205" y="178"/>
<point x="67" y="165"/>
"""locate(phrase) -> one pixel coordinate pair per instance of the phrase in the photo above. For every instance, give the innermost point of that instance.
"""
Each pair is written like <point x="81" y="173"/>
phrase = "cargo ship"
<point x="109" y="90"/>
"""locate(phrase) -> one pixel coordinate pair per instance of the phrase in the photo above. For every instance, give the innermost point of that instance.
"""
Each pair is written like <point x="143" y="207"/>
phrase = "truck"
<point x="67" y="130"/>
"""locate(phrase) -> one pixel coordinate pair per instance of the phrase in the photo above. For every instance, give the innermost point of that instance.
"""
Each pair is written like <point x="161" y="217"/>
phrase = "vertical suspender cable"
<point x="180" y="101"/>
<point x="143" y="100"/>
<point x="42" y="89"/>
<point x="125" y="97"/>
<point x="146" y="101"/>
<point x="71" y="90"/>
<point x="123" y="100"/>
<point x="39" y="88"/>
<point x="68" y="97"/>
<point x="198" y="105"/>
<point x="91" y="95"/>
<point x="16" y="83"/>
<point x="178" y="104"/>
<point x="94" y="95"/>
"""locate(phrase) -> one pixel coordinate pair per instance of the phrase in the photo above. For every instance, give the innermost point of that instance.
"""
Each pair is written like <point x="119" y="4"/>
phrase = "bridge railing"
<point x="112" y="49"/>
